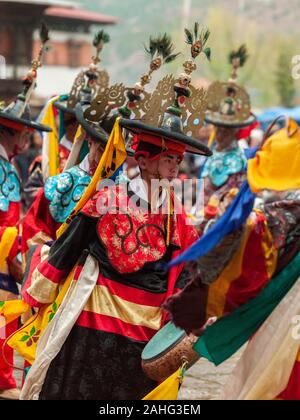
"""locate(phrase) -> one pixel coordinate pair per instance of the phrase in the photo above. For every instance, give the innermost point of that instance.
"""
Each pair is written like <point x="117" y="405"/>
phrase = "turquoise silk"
<point x="10" y="185"/>
<point x="221" y="165"/>
<point x="63" y="192"/>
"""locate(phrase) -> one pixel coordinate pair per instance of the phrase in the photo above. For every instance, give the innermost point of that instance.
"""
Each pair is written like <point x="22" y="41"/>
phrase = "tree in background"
<point x="269" y="54"/>
<point x="284" y="82"/>
<point x="231" y="23"/>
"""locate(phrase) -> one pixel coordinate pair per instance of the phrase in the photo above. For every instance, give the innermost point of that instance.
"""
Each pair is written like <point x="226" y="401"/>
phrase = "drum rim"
<point x="181" y="338"/>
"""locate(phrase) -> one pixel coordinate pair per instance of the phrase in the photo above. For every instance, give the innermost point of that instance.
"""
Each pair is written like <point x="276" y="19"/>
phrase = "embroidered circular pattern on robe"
<point x="63" y="192"/>
<point x="9" y="185"/>
<point x="132" y="236"/>
<point x="223" y="164"/>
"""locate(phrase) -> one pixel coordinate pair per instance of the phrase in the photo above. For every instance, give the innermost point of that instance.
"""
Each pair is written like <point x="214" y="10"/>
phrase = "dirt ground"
<point x="204" y="380"/>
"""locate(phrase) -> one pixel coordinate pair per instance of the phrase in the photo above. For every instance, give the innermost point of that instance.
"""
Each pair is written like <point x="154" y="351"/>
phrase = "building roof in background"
<point x="66" y="10"/>
<point x="63" y="3"/>
<point x="79" y="14"/>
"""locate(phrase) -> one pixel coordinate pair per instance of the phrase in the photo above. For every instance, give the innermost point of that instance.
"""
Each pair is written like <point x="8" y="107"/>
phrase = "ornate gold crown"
<point x="96" y="85"/>
<point x="91" y="81"/>
<point x="162" y="99"/>
<point x="227" y="101"/>
<point x="232" y="107"/>
<point x="179" y="96"/>
<point x="132" y="100"/>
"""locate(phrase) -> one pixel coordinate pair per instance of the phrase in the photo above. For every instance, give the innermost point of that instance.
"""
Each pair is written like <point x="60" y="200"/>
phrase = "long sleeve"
<point x="10" y="217"/>
<point x="234" y="272"/>
<point x="38" y="225"/>
<point x="66" y="250"/>
<point x="48" y="267"/>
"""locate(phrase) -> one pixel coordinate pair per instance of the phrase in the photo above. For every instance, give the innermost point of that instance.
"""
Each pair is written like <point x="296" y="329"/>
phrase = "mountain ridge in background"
<point x="265" y="25"/>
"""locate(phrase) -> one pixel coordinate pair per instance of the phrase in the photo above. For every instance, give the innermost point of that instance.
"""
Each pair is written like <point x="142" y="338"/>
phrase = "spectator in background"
<point x="36" y="144"/>
<point x="32" y="149"/>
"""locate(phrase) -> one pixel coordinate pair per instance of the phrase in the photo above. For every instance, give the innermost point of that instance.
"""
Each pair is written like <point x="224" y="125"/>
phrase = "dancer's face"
<point x="225" y="136"/>
<point x="95" y="153"/>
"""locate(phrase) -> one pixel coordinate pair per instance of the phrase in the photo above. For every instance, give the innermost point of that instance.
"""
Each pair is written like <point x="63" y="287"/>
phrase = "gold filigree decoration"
<point x="102" y="82"/>
<point x="141" y="107"/>
<point x="161" y="98"/>
<point x="193" y="111"/>
<point x="75" y="90"/>
<point x="99" y="87"/>
<point x="218" y="93"/>
<point x="112" y="97"/>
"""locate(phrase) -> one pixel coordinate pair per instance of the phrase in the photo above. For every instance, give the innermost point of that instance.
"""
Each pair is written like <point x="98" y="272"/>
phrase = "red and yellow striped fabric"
<point x="122" y="309"/>
<point x="249" y="270"/>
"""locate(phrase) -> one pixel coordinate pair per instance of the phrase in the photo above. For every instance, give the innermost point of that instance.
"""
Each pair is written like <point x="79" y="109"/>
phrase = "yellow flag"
<point x="113" y="157"/>
<point x="25" y="340"/>
<point x="167" y="390"/>
<point x="51" y="139"/>
<point x="13" y="309"/>
<point x="8" y="238"/>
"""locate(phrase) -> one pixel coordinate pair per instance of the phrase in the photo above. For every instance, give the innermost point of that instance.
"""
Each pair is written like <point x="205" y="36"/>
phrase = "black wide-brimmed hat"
<point x="94" y="129"/>
<point x="176" y="108"/>
<point x="97" y="115"/>
<point x="62" y="105"/>
<point x="221" y="120"/>
<point x="12" y="117"/>
<point x="171" y="129"/>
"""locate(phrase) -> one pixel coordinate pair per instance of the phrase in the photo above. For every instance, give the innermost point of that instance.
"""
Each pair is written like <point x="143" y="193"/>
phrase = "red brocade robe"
<point x="38" y="225"/>
<point x="64" y="153"/>
<point x="101" y="357"/>
<point x="9" y="248"/>
<point x="35" y="180"/>
<point x="8" y="289"/>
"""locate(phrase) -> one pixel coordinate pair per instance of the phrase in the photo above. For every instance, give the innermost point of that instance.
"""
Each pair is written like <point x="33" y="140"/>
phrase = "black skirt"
<point x="95" y="365"/>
